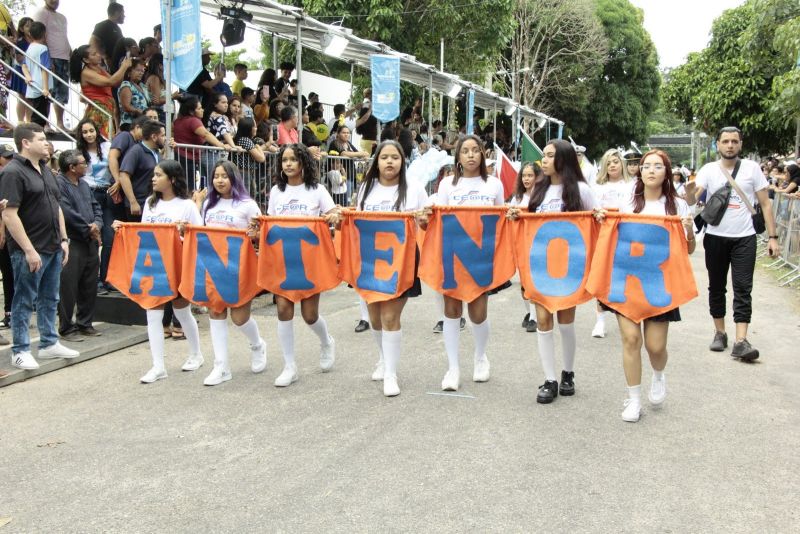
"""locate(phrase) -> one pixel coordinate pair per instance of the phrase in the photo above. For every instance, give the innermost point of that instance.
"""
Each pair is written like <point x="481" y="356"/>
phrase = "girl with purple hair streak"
<point x="229" y="204"/>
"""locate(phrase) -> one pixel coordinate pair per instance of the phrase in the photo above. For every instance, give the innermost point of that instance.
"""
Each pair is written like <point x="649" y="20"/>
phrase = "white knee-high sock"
<point x="480" y="332"/>
<point x="250" y="331"/>
<point x="527" y="305"/>
<point x="391" y="351"/>
<point x="189" y="324"/>
<point x="440" y="305"/>
<point x="547" y="353"/>
<point x="377" y="335"/>
<point x="286" y="339"/>
<point x="601" y="317"/>
<point x="362" y="304"/>
<point x="321" y="329"/>
<point x="568" y="345"/>
<point x="155" y="334"/>
<point x="451" y="331"/>
<point x="219" y="340"/>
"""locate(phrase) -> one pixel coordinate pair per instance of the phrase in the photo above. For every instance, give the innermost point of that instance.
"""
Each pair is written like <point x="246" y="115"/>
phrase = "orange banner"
<point x="379" y="252"/>
<point x="296" y="258"/>
<point x="553" y="253"/>
<point x="644" y="269"/>
<point x="219" y="267"/>
<point x="467" y="251"/>
<point x="145" y="263"/>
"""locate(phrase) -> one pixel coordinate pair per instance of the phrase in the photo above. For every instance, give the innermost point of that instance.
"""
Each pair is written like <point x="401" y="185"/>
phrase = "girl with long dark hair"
<point x="297" y="193"/>
<point x="653" y="194"/>
<point x="471" y="186"/>
<point x="385" y="188"/>
<point x="529" y="173"/>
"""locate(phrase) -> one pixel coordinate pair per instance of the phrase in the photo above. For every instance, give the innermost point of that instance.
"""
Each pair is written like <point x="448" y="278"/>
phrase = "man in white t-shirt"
<point x="732" y="243"/>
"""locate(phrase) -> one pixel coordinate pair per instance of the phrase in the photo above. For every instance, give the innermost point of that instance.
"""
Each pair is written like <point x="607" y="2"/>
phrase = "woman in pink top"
<point x="287" y="129"/>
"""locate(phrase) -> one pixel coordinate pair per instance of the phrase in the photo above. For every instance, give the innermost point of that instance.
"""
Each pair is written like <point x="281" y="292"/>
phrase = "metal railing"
<point x="786" y="212"/>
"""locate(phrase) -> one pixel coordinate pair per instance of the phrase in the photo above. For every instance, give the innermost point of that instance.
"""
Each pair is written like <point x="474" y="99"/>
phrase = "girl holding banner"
<point x="297" y="193"/>
<point x="612" y="190"/>
<point x="529" y="174"/>
<point x="470" y="186"/>
<point x="385" y="188"/>
<point x="229" y="205"/>
<point x="562" y="189"/>
<point x="170" y="204"/>
<point x="653" y="194"/>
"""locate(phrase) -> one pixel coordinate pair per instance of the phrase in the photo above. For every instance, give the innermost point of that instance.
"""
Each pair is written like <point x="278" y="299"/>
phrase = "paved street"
<point x="90" y="449"/>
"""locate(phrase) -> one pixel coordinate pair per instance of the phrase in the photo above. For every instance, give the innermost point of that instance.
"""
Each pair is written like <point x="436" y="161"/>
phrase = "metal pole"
<point x="494" y="122"/>
<point x="299" y="61"/>
<point x="692" y="142"/>
<point x="441" y="69"/>
<point x="168" y="72"/>
<point x="352" y="72"/>
<point x="430" y="108"/>
<point x="275" y="63"/>
<point x="797" y="140"/>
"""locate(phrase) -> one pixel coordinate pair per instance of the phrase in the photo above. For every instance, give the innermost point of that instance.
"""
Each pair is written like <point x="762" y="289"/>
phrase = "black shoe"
<point x="101" y="289"/>
<point x="463" y="324"/>
<point x="6" y="322"/>
<point x="720" y="342"/>
<point x="567" y="386"/>
<point x="362" y="326"/>
<point x="72" y="336"/>
<point x="547" y="392"/>
<point x="438" y="327"/>
<point x="744" y="351"/>
<point x="89" y="331"/>
<point x="532" y="326"/>
<point x="526" y="320"/>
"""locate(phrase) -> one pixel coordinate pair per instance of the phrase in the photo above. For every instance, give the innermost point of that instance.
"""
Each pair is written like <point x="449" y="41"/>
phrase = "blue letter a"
<point x="148" y="248"/>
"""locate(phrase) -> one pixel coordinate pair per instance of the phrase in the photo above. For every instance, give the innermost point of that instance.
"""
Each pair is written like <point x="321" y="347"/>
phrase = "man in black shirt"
<point x="367" y="124"/>
<point x="38" y="245"/>
<point x="107" y="33"/>
<point x="203" y="85"/>
<point x="136" y="171"/>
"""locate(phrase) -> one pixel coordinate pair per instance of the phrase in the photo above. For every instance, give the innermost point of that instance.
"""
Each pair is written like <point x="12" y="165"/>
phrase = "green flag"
<point x="530" y="152"/>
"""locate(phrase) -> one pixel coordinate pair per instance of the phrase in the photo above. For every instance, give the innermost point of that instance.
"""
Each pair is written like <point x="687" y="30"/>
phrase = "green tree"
<point x="17" y="7"/>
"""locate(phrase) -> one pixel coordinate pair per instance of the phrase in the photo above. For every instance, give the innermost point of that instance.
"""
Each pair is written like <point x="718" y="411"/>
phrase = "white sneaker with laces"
<point x="451" y="380"/>
<point x="287" y="376"/>
<point x="658" y="390"/>
<point x="193" y="362"/>
<point x="632" y="409"/>
<point x="57" y="350"/>
<point x="152" y="375"/>
<point x="24" y="360"/>
<point x="377" y="374"/>
<point x="328" y="355"/>
<point x="390" y="387"/>
<point x="481" y="372"/>
<point x="258" y="355"/>
<point x="217" y="376"/>
<point x="599" y="330"/>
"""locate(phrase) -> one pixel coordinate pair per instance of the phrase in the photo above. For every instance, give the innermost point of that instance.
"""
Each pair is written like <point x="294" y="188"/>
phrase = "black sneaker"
<point x="744" y="351"/>
<point x="720" y="342"/>
<point x="567" y="386"/>
<point x="463" y="324"/>
<point x="362" y="326"/>
<point x="6" y="322"/>
<point x="547" y="392"/>
<point x="101" y="289"/>
<point x="438" y="327"/>
<point x="526" y="320"/>
<point x="532" y="326"/>
<point x="72" y="336"/>
<point x="89" y="331"/>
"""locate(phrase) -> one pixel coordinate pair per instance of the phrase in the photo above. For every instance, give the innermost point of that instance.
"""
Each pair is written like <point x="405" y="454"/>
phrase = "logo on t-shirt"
<point x="293" y="206"/>
<point x="553" y="205"/>
<point x="473" y="196"/>
<point x="385" y="205"/>
<point x="158" y="219"/>
<point x="734" y="201"/>
<point x="220" y="217"/>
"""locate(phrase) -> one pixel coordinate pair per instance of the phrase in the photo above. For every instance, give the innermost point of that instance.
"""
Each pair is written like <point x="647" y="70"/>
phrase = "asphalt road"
<point x="90" y="449"/>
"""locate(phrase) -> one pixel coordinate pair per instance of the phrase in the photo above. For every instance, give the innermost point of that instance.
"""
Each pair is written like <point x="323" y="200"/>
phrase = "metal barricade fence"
<point x="786" y="210"/>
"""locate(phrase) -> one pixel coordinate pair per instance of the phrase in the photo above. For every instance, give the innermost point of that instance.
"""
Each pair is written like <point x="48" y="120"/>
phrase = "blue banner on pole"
<point x="470" y="111"/>
<point x="385" y="87"/>
<point x="186" y="40"/>
<point x="560" y="130"/>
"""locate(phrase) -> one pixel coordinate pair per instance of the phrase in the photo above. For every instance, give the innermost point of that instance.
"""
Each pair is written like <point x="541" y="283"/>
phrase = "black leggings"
<point x="739" y="255"/>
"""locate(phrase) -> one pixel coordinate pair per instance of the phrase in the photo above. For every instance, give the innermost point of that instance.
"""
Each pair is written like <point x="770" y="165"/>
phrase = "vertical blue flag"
<point x="560" y="130"/>
<point x="186" y="43"/>
<point x="470" y="111"/>
<point x="385" y="87"/>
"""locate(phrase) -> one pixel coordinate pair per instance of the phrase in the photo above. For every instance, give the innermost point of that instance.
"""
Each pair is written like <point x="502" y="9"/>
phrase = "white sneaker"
<point x="193" y="362"/>
<point x="599" y="330"/>
<point x="377" y="374"/>
<point x="328" y="355"/>
<point x="258" y="355"/>
<point x="57" y="350"/>
<point x="287" y="377"/>
<point x="217" y="376"/>
<point x="152" y="375"/>
<point x="632" y="409"/>
<point x="24" y="360"/>
<point x="658" y="390"/>
<point x="451" y="380"/>
<point x="390" y="387"/>
<point x="481" y="372"/>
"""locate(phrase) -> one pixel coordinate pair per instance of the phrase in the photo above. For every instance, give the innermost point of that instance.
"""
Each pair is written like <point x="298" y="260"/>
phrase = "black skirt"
<point x="416" y="288"/>
<point x="672" y="316"/>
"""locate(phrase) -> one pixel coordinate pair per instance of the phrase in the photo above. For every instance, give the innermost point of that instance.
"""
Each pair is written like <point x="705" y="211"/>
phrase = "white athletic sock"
<point x="321" y="329"/>
<point x="528" y="308"/>
<point x="286" y="339"/>
<point x="362" y="304"/>
<point x="377" y="335"/>
<point x="189" y="324"/>
<point x="568" y="345"/>
<point x="547" y="354"/>
<point x="155" y="334"/>
<point x="658" y="375"/>
<point x="451" y="332"/>
<point x="601" y="318"/>
<point x="635" y="392"/>
<point x="219" y="340"/>
<point x="250" y="331"/>
<point x="391" y="352"/>
<point x="480" y="333"/>
<point x="440" y="305"/>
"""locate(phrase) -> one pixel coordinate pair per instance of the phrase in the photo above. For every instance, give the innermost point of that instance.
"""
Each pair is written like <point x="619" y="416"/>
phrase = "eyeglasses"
<point x="657" y="166"/>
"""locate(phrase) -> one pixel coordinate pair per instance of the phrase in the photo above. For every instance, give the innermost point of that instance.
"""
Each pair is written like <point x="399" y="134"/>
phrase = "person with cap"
<point x="632" y="158"/>
<point x="6" y="154"/>
<point x="203" y="84"/>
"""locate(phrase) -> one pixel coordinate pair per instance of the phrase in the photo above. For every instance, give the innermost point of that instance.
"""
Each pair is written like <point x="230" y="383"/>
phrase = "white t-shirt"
<point x="469" y="192"/>
<point x="172" y="211"/>
<point x="737" y="221"/>
<point x="552" y="202"/>
<point x="382" y="198"/>
<point x="613" y="194"/>
<point x="297" y="201"/>
<point x="589" y="171"/>
<point x="659" y="207"/>
<point x="230" y="213"/>
<point x="521" y="203"/>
